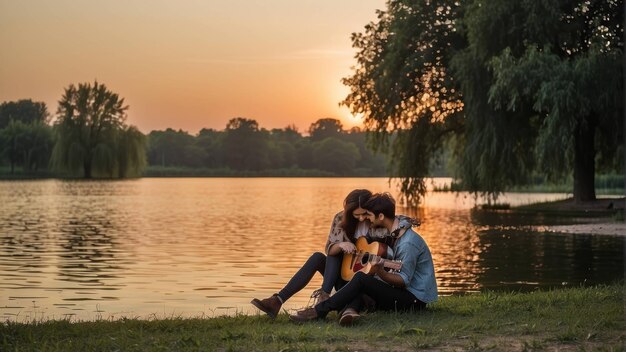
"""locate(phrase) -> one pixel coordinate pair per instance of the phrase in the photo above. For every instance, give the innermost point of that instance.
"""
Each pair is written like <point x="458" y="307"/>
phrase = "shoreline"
<point x="600" y="228"/>
<point x="603" y="216"/>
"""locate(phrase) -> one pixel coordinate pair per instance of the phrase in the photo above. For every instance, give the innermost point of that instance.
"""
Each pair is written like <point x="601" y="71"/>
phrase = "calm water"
<point x="205" y="246"/>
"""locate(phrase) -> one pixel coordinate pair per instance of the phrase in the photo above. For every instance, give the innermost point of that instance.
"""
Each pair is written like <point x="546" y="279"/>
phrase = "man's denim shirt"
<point x="417" y="269"/>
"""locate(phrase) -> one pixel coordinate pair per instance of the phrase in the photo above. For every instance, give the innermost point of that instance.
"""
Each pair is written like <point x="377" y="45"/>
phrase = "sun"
<point x="337" y="93"/>
<point x="350" y="120"/>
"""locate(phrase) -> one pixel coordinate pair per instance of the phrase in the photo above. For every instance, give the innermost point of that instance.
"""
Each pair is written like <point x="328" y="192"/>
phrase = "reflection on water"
<point x="195" y="247"/>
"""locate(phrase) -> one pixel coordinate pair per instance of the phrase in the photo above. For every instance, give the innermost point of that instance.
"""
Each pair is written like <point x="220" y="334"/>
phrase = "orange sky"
<point x="187" y="64"/>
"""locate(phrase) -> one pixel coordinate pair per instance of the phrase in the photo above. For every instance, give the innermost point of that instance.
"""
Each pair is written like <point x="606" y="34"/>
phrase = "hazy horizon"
<point x="188" y="65"/>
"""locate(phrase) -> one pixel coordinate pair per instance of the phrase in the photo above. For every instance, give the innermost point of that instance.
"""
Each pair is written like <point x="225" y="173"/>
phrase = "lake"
<point x="198" y="247"/>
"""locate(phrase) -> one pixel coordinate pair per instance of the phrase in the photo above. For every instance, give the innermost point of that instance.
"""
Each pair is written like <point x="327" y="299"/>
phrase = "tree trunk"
<point x="584" y="162"/>
<point x="26" y="166"/>
<point x="87" y="169"/>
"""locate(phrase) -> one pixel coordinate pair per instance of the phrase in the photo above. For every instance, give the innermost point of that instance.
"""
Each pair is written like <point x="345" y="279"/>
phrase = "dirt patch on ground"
<point x="537" y="342"/>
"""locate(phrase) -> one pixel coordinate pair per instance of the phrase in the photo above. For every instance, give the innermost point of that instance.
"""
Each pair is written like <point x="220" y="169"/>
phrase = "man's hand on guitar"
<point x="377" y="266"/>
<point x="347" y="247"/>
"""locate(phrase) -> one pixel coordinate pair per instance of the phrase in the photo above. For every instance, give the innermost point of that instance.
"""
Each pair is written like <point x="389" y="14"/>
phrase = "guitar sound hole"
<point x="365" y="258"/>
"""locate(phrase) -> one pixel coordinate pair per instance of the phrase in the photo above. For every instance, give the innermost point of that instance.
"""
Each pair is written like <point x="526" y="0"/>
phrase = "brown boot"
<point x="319" y="296"/>
<point x="304" y="315"/>
<point x="271" y="306"/>
<point x="348" y="317"/>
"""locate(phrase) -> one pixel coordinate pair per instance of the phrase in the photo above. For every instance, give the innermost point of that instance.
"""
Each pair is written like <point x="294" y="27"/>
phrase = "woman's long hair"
<point x="353" y="201"/>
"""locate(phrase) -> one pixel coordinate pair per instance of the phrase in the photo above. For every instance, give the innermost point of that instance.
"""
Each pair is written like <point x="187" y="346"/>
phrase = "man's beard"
<point x="376" y="226"/>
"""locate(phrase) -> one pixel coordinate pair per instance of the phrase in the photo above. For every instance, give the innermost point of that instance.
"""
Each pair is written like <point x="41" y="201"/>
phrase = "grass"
<point x="576" y="319"/>
<point x="608" y="209"/>
<point x="605" y="184"/>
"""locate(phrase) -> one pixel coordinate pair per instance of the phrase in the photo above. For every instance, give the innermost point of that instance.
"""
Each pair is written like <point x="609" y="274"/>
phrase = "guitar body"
<point x="359" y="261"/>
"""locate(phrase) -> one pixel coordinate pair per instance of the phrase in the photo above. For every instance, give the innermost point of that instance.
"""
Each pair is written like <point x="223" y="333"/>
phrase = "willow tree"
<point x="92" y="137"/>
<point x="402" y="87"/>
<point x="131" y="152"/>
<point x="564" y="63"/>
<point x="25" y="136"/>
<point x="524" y="86"/>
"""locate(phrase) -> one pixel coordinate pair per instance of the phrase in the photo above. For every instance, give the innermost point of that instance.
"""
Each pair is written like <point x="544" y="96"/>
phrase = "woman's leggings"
<point x="386" y="296"/>
<point x="328" y="266"/>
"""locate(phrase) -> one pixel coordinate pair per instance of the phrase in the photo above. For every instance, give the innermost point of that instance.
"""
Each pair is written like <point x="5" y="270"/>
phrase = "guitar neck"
<point x="392" y="264"/>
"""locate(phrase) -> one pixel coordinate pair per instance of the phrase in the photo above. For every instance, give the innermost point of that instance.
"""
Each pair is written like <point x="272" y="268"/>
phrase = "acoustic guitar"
<point x="362" y="259"/>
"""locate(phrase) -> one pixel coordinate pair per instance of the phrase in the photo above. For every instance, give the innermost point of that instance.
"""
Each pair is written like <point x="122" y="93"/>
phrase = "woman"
<point x="347" y="226"/>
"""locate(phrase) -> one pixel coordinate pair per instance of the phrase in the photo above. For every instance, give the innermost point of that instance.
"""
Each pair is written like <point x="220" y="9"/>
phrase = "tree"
<point x="25" y="136"/>
<point x="520" y="86"/>
<point x="28" y="144"/>
<point x="37" y="146"/>
<point x="325" y="128"/>
<point x="174" y="148"/>
<point x="495" y="150"/>
<point x="402" y="87"/>
<point x="210" y="142"/>
<point x="289" y="134"/>
<point x="334" y="155"/>
<point x="567" y="69"/>
<point x="92" y="137"/>
<point x="131" y="152"/>
<point x="304" y="154"/>
<point x="24" y="110"/>
<point x="282" y="147"/>
<point x="374" y="164"/>
<point x="245" y="146"/>
<point x="14" y="138"/>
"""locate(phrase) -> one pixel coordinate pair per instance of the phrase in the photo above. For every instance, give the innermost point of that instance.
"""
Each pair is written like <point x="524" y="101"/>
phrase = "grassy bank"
<point x="567" y="319"/>
<point x="610" y="209"/>
<point x="605" y="184"/>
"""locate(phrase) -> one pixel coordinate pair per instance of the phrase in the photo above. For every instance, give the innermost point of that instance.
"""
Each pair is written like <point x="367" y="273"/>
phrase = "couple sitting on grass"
<point x="373" y="216"/>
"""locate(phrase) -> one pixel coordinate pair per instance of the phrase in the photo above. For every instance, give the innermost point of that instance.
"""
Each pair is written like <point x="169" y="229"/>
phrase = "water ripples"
<point x="92" y="249"/>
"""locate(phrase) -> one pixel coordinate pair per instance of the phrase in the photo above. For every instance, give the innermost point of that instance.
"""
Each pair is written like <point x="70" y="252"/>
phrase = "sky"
<point x="188" y="64"/>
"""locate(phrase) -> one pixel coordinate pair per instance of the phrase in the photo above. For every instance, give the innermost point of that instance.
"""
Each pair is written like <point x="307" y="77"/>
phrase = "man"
<point x="412" y="287"/>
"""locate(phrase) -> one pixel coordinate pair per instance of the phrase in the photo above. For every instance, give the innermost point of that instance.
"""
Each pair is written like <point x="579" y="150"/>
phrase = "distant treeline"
<point x="30" y="144"/>
<point x="244" y="148"/>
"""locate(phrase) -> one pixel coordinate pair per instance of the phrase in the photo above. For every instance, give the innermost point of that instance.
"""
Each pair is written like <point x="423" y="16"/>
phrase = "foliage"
<point x="567" y="68"/>
<point x="92" y="137"/>
<point x="244" y="148"/>
<point x="516" y="83"/>
<point x="402" y="88"/>
<point x="325" y="128"/>
<point x="585" y="318"/>
<point x="174" y="148"/>
<point x="131" y="152"/>
<point x="25" y="111"/>
<point x="209" y="141"/>
<point x="25" y="137"/>
<point x="332" y="154"/>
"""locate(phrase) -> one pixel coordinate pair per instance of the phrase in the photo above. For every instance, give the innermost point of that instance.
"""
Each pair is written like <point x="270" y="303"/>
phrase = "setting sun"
<point x="188" y="65"/>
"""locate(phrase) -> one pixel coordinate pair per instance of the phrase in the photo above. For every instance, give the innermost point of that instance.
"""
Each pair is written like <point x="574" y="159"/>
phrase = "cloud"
<point x="315" y="54"/>
<point x="301" y="55"/>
